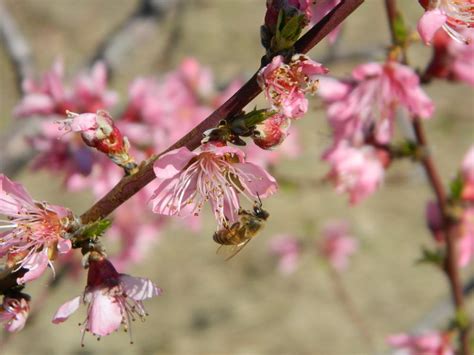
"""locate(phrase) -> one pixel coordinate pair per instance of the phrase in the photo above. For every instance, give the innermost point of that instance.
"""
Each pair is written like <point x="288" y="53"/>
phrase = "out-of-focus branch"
<point x="16" y="47"/>
<point x="15" y="153"/>
<point x="131" y="32"/>
<point x="442" y="312"/>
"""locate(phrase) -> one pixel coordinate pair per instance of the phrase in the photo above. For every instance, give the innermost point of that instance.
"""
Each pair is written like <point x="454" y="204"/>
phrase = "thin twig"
<point x="16" y="47"/>
<point x="450" y="231"/>
<point x="349" y="307"/>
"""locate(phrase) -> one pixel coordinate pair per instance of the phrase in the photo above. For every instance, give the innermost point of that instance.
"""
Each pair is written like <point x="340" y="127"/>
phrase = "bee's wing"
<point x="229" y="251"/>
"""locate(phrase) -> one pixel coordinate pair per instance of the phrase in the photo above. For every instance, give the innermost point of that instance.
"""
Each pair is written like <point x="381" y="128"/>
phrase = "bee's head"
<point x="260" y="212"/>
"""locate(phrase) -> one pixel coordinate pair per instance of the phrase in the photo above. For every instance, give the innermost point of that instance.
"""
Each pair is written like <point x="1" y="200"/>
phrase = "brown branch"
<point x="130" y="185"/>
<point x="450" y="227"/>
<point x="16" y="47"/>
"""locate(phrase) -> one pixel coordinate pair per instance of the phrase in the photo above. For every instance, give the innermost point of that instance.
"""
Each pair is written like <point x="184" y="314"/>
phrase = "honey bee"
<point x="233" y="238"/>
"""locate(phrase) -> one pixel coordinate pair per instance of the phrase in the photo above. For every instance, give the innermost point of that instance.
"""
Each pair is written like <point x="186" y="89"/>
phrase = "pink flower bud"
<point x="98" y="131"/>
<point x="272" y="132"/>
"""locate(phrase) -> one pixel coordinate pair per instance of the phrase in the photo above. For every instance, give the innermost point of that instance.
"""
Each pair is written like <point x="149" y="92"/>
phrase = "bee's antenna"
<point x="259" y="200"/>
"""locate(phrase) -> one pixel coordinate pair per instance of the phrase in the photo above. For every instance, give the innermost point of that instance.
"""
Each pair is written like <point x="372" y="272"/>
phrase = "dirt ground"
<point x="245" y="306"/>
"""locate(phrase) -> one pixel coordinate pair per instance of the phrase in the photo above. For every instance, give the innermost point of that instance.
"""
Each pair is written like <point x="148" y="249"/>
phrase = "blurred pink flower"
<point x="358" y="171"/>
<point x="272" y="132"/>
<point x="90" y="92"/>
<point x="60" y="153"/>
<point x="451" y="15"/>
<point x="431" y="343"/>
<point x="14" y="312"/>
<point x="35" y="230"/>
<point x="288" y="250"/>
<point x="452" y="60"/>
<point x="285" y="85"/>
<point x="321" y="8"/>
<point x="466" y="240"/>
<point x="215" y="174"/>
<point x="467" y="174"/>
<point x="337" y="244"/>
<point x="112" y="298"/>
<point x="49" y="96"/>
<point x="366" y="105"/>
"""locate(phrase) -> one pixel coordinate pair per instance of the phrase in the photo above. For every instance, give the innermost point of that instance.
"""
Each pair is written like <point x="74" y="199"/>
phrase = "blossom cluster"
<point x="336" y="246"/>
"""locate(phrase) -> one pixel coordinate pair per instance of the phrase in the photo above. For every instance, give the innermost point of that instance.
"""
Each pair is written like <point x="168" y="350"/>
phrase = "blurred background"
<point x="245" y="305"/>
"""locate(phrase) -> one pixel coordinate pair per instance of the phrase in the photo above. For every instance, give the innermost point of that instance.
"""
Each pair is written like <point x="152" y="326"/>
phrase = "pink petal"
<point x="105" y="315"/>
<point x="260" y="184"/>
<point x="34" y="104"/>
<point x="65" y="311"/>
<point x="139" y="288"/>
<point x="64" y="245"/>
<point x="84" y="122"/>
<point x="172" y="163"/>
<point x="13" y="197"/>
<point x="36" y="265"/>
<point x="429" y="23"/>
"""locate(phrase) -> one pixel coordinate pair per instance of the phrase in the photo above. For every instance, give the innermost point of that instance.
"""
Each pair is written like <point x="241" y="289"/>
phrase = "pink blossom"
<point x="60" y="153"/>
<point x="35" y="230"/>
<point x="90" y="90"/>
<point x="272" y="132"/>
<point x="216" y="174"/>
<point x="338" y="244"/>
<point x="467" y="174"/>
<point x="49" y="96"/>
<point x="288" y="250"/>
<point x="466" y="239"/>
<point x="423" y="344"/>
<point x="112" y="299"/>
<point x="366" y="105"/>
<point x="452" y="60"/>
<point x="358" y="171"/>
<point x="451" y="15"/>
<point x="14" y="312"/>
<point x="285" y="85"/>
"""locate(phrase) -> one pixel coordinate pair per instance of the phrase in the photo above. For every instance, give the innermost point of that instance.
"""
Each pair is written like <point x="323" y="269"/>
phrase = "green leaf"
<point x="435" y="257"/>
<point x="456" y="187"/>
<point x="400" y="30"/>
<point x="95" y="229"/>
<point x="461" y="320"/>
